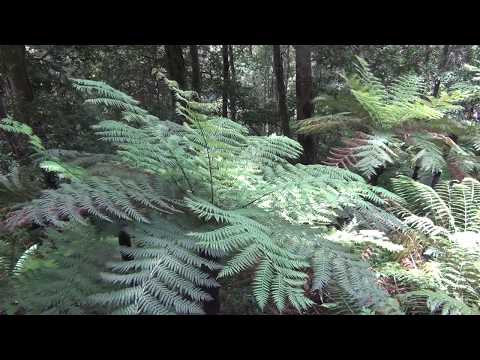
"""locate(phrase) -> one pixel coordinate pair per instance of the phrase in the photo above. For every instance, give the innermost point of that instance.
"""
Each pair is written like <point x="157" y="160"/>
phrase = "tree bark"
<point x="13" y="65"/>
<point x="441" y="68"/>
<point x="287" y="68"/>
<point x="428" y="51"/>
<point x="195" y="69"/>
<point x="233" y="80"/>
<point x="3" y="110"/>
<point x="443" y="65"/>
<point x="176" y="64"/>
<point x="226" y="80"/>
<point x="282" y="94"/>
<point x="303" y="69"/>
<point x="12" y="58"/>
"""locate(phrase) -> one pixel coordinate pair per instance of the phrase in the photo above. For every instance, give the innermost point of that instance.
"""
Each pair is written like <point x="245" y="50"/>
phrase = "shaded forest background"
<point x="267" y="89"/>
<point x="258" y="85"/>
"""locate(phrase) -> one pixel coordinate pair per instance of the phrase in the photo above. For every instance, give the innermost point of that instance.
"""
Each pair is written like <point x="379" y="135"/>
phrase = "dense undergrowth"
<point x="207" y="213"/>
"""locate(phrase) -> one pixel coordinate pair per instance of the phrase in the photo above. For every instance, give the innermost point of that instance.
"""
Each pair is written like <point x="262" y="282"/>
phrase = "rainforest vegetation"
<point x="240" y="179"/>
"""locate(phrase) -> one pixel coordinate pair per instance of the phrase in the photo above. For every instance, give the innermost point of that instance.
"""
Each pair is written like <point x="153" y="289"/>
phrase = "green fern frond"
<point x="165" y="276"/>
<point x="366" y="153"/>
<point x="437" y="303"/>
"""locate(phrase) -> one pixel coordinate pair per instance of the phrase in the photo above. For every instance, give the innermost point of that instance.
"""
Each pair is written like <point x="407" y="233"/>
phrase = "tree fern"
<point x="436" y="302"/>
<point x="449" y="214"/>
<point x="65" y="272"/>
<point x="365" y="153"/>
<point x="166" y="274"/>
<point x="279" y="274"/>
<point x="105" y="198"/>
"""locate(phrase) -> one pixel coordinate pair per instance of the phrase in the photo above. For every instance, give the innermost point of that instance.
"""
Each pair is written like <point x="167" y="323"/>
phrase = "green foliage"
<point x="15" y="186"/>
<point x="452" y="205"/>
<point x="344" y="280"/>
<point x="105" y="198"/>
<point x="449" y="215"/>
<point x="428" y="155"/>
<point x="436" y="302"/>
<point x="211" y="167"/>
<point x="279" y="273"/>
<point x="64" y="272"/>
<point x="165" y="276"/>
<point x="48" y="162"/>
<point x="404" y="100"/>
<point x="366" y="153"/>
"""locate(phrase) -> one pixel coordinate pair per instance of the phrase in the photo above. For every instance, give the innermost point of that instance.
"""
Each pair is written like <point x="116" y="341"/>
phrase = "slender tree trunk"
<point x="287" y="67"/>
<point x="443" y="65"/>
<point x="233" y="80"/>
<point x="3" y="110"/>
<point x="468" y="53"/>
<point x="303" y="67"/>
<point x="282" y="95"/>
<point x="441" y="68"/>
<point x="195" y="69"/>
<point x="428" y="51"/>
<point x="226" y="81"/>
<point x="176" y="64"/>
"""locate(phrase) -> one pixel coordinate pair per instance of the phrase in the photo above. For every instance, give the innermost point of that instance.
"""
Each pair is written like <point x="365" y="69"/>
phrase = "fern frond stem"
<point x="181" y="169"/>
<point x="255" y="200"/>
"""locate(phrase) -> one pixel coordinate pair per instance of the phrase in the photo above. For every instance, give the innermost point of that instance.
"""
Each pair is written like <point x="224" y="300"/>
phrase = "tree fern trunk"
<point x="211" y="307"/>
<point x="415" y="172"/>
<point x="124" y="239"/>
<point x="374" y="179"/>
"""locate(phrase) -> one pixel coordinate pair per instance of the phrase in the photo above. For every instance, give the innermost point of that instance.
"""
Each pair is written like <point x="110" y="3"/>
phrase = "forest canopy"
<point x="240" y="179"/>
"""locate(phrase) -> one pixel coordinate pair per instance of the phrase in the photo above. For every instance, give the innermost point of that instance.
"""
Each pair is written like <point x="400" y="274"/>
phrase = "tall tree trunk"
<point x="226" y="81"/>
<point x="3" y="115"/>
<point x="233" y="88"/>
<point x="468" y="53"/>
<point x="13" y="65"/>
<point x="3" y="110"/>
<point x="441" y="68"/>
<point x="195" y="69"/>
<point x="176" y="64"/>
<point x="428" y="51"/>
<point x="287" y="68"/>
<point x="13" y="62"/>
<point x="303" y="79"/>
<point x="282" y="95"/>
<point x="176" y="71"/>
